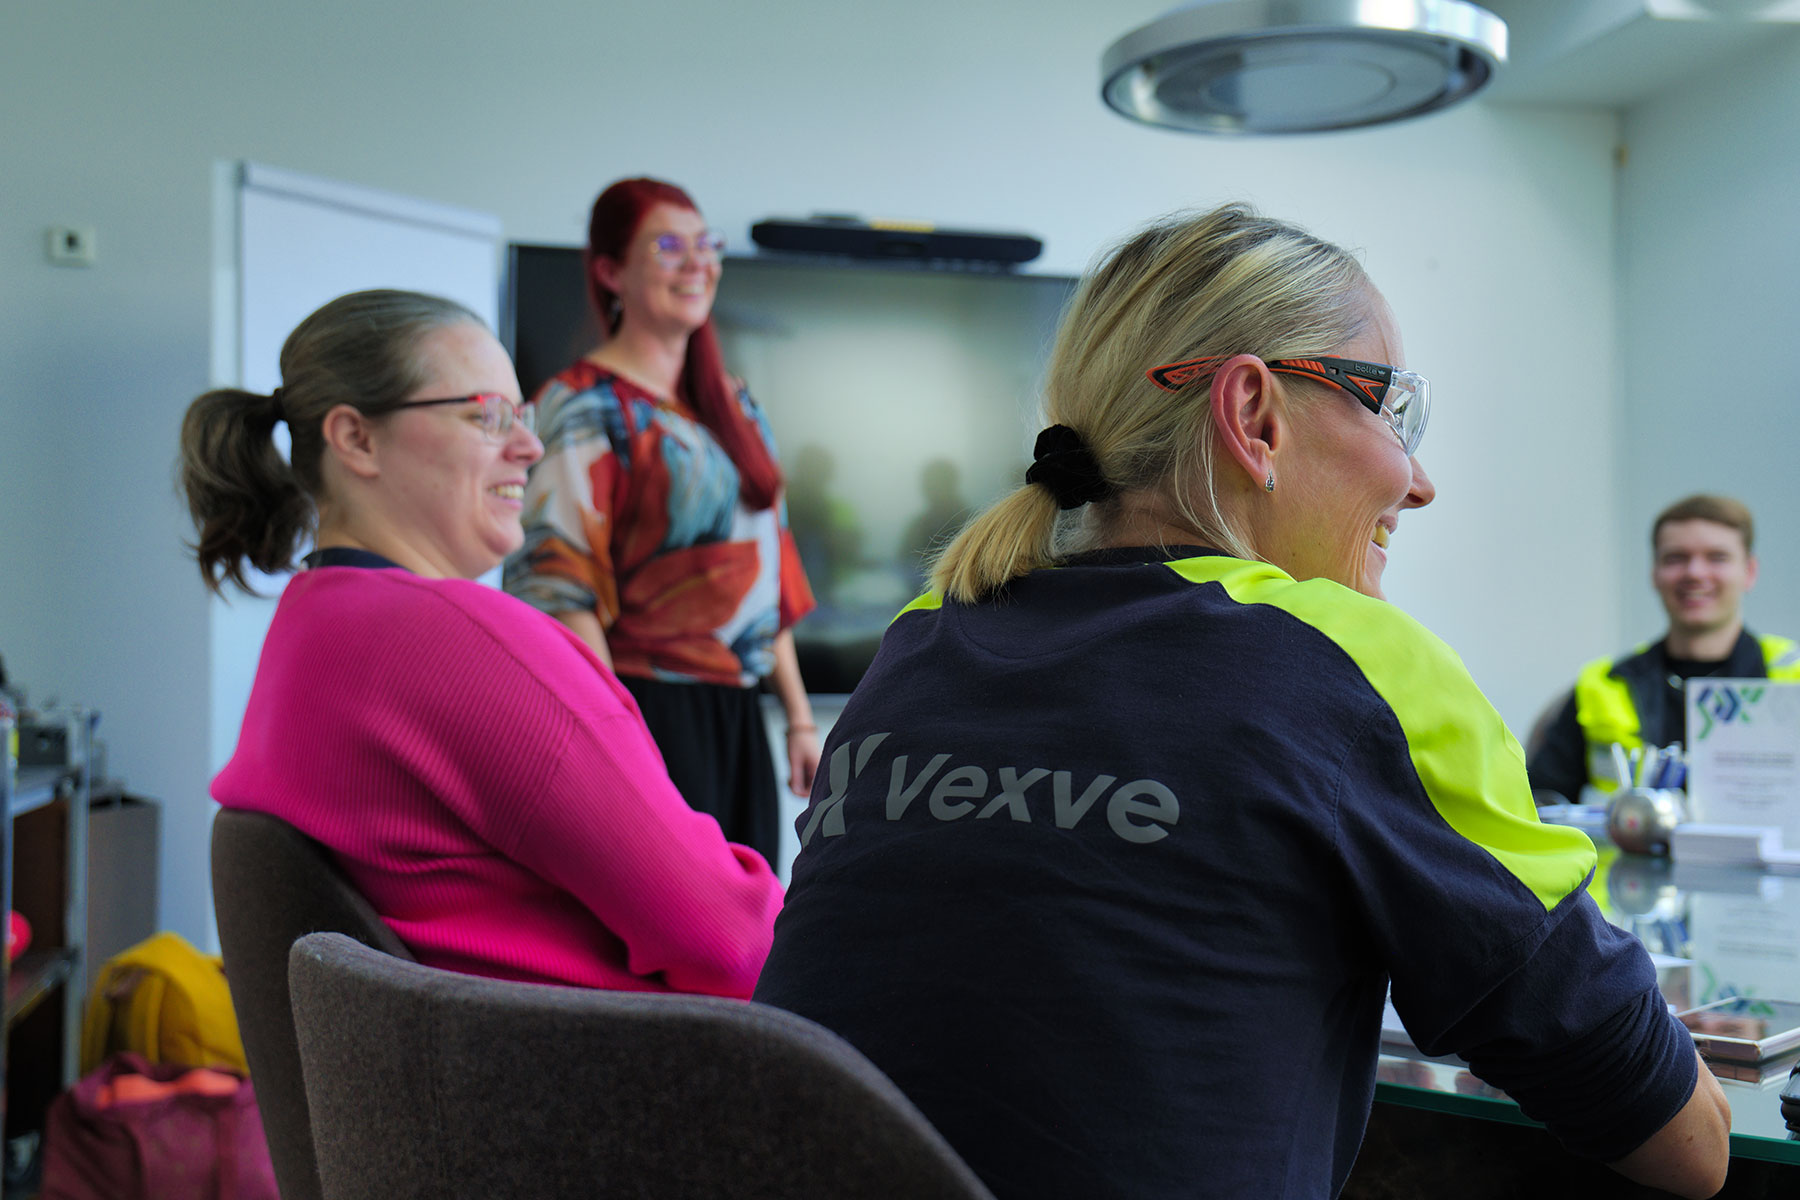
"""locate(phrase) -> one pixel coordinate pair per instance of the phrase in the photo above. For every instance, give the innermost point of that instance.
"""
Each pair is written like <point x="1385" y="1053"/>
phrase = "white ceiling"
<point x="1617" y="53"/>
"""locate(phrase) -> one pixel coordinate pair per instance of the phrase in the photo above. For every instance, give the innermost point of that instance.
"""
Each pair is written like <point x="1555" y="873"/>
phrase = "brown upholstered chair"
<point x="271" y="885"/>
<point x="425" y="1083"/>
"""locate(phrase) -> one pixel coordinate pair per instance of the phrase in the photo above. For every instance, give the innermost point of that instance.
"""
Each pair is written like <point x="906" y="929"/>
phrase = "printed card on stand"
<point x="1743" y="754"/>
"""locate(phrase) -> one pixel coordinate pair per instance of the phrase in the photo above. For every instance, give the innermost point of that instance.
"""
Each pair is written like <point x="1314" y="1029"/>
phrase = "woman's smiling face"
<point x="452" y="494"/>
<point x="660" y="292"/>
<point x="1345" y="479"/>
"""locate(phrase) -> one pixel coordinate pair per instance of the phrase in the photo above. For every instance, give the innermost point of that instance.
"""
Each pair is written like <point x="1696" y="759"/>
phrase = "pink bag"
<point x="133" y="1130"/>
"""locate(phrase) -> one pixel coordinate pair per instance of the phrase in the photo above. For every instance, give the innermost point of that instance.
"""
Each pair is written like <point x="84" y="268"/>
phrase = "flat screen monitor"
<point x="903" y="398"/>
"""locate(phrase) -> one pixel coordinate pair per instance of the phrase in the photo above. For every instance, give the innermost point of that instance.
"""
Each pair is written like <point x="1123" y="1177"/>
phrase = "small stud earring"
<point x="1269" y="483"/>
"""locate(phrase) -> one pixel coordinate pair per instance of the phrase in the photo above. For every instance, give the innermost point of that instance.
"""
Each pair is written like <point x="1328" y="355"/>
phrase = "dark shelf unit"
<point x="36" y="975"/>
<point x="44" y="810"/>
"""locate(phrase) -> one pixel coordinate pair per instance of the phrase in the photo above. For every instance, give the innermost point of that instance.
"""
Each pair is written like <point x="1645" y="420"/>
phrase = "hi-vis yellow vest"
<point x="1608" y="717"/>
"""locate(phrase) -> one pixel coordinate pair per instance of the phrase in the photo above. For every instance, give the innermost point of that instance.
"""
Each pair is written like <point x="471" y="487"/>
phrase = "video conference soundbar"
<point x="855" y="238"/>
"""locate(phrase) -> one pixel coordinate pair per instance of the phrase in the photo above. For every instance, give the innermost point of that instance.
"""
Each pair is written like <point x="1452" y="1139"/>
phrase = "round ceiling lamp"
<point x="1301" y="66"/>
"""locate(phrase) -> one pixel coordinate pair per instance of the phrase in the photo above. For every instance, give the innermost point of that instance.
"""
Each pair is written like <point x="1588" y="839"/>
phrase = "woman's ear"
<point x="1247" y="416"/>
<point x="605" y="272"/>
<point x="350" y="439"/>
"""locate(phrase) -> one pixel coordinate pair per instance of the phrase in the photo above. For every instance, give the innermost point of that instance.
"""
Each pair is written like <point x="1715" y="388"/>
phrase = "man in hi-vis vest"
<point x="1701" y="567"/>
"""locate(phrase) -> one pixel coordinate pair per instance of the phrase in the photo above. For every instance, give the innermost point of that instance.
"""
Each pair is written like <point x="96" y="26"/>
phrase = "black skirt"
<point x="717" y="750"/>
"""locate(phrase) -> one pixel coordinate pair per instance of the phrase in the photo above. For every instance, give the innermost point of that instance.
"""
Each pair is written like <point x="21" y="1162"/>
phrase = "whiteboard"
<point x="283" y="244"/>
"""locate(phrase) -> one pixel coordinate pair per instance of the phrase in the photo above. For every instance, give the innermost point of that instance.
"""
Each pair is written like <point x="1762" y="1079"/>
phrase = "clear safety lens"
<point x="1406" y="407"/>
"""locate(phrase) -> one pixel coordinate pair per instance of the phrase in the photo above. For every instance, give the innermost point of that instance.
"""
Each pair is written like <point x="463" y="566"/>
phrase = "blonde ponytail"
<point x="1015" y="535"/>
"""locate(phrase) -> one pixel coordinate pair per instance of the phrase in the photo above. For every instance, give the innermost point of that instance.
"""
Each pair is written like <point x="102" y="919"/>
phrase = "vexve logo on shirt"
<point x="1139" y="811"/>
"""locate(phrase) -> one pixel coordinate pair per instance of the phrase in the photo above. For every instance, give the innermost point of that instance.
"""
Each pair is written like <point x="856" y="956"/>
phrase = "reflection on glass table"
<point x="1726" y="942"/>
<point x="1446" y="1085"/>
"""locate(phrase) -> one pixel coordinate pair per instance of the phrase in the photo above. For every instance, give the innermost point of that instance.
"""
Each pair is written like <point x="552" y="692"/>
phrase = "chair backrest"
<point x="1540" y="728"/>
<point x="272" y="884"/>
<point x="426" y="1083"/>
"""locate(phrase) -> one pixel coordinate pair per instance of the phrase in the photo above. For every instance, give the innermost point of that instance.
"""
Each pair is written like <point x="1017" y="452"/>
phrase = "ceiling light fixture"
<point x="1301" y="66"/>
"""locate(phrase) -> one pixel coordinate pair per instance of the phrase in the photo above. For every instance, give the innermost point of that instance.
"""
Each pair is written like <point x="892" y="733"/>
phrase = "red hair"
<point x="704" y="386"/>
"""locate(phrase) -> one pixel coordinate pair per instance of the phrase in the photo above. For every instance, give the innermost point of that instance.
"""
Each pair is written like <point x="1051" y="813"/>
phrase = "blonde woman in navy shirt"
<point x="1115" y="851"/>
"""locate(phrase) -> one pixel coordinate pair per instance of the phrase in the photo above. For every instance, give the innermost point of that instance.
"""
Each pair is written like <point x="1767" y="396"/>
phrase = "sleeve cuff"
<point x="1606" y="1095"/>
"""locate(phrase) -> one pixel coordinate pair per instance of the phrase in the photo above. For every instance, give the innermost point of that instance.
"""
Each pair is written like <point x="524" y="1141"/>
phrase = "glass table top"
<point x="1717" y="934"/>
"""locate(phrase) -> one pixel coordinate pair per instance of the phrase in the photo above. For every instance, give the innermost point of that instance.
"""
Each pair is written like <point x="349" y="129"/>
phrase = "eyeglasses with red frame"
<point x="1401" y="398"/>
<point x="498" y="413"/>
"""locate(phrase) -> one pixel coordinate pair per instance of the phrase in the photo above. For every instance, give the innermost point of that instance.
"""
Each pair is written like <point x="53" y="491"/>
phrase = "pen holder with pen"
<point x="1648" y="766"/>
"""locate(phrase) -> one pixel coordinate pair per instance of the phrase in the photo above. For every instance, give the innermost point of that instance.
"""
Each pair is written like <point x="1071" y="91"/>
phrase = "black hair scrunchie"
<point x="276" y="406"/>
<point x="1063" y="463"/>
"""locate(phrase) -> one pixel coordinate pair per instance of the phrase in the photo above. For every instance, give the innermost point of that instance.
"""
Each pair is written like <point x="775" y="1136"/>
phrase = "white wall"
<point x="1491" y="231"/>
<point x="1709" y="273"/>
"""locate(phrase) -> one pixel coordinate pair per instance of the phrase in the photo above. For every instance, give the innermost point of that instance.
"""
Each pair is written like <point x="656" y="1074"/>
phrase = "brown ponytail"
<point x="245" y="501"/>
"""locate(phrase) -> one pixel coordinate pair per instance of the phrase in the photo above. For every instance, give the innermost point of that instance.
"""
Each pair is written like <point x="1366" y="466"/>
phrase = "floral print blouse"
<point x="633" y="514"/>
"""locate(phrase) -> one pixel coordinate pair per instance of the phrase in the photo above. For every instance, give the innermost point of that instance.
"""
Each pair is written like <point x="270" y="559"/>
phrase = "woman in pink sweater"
<point x="480" y="777"/>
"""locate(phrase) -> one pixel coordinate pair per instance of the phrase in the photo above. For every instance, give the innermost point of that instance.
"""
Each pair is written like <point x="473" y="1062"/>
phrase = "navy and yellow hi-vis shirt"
<point x="1110" y="875"/>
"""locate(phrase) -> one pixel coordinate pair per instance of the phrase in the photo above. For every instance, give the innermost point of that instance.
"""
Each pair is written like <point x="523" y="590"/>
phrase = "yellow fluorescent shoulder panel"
<point x="1470" y="764"/>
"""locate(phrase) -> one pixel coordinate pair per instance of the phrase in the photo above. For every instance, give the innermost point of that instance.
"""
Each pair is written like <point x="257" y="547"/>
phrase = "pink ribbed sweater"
<point x="492" y="790"/>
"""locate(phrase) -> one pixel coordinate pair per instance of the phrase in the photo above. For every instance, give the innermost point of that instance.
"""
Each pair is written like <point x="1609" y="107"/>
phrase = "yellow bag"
<point x="165" y="1000"/>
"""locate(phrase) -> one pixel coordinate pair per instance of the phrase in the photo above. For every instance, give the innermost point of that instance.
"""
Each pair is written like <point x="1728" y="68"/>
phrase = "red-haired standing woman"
<point x="654" y="525"/>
